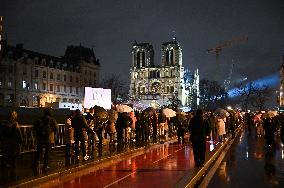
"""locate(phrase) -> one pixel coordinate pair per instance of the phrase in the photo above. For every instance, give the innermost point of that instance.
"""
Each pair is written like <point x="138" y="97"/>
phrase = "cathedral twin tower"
<point x="154" y="85"/>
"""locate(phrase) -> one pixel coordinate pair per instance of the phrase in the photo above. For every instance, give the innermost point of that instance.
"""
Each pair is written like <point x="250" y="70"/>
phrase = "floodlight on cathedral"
<point x="151" y="84"/>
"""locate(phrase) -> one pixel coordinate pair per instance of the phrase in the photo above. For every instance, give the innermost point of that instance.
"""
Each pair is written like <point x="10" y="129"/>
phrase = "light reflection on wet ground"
<point x="162" y="166"/>
<point x="251" y="163"/>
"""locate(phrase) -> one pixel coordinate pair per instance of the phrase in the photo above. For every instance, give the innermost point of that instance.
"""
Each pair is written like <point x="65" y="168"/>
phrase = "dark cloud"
<point x="110" y="27"/>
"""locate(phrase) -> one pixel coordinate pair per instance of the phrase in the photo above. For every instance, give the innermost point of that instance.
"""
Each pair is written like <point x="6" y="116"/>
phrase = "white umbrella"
<point x="221" y="112"/>
<point x="123" y="108"/>
<point x="169" y="112"/>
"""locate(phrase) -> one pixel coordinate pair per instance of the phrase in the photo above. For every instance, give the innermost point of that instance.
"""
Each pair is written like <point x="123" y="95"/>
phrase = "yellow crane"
<point x="217" y="50"/>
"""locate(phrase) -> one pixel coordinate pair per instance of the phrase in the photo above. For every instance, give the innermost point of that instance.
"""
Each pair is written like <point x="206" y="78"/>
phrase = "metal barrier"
<point x="29" y="139"/>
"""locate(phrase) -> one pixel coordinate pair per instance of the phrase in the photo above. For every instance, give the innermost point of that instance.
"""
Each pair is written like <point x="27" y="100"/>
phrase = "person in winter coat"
<point x="232" y="124"/>
<point x="154" y="124"/>
<point x="270" y="128"/>
<point x="11" y="138"/>
<point x="162" y="123"/>
<point x="44" y="128"/>
<point x="122" y="122"/>
<point x="68" y="135"/>
<point x="221" y="127"/>
<point x="79" y="124"/>
<point x="198" y="132"/>
<point x="179" y="122"/>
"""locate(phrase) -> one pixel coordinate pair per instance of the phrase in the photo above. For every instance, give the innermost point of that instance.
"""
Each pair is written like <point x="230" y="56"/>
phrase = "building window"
<point x="65" y="89"/>
<point x="36" y="73"/>
<point x="77" y="90"/>
<point x="90" y="82"/>
<point x="70" y="89"/>
<point x="95" y="74"/>
<point x="24" y="84"/>
<point x="35" y="100"/>
<point x="44" y="74"/>
<point x="58" y="77"/>
<point x="36" y="85"/>
<point x="43" y="86"/>
<point x="58" y="88"/>
<point x="90" y="73"/>
<point x="1" y="82"/>
<point x="71" y="100"/>
<point x="77" y="80"/>
<point x="85" y="80"/>
<point x="95" y="82"/>
<point x="64" y="100"/>
<point x="64" y="78"/>
<point x="71" y="79"/>
<point x="9" y="84"/>
<point x="51" y="87"/>
<point x="51" y="75"/>
<point x="85" y="72"/>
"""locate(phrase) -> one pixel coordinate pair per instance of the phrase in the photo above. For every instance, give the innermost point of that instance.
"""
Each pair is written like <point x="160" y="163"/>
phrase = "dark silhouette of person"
<point x="80" y="125"/>
<point x="178" y="120"/>
<point x="11" y="138"/>
<point x="121" y="123"/>
<point x="198" y="132"/>
<point x="44" y="127"/>
<point x="270" y="128"/>
<point x="154" y="123"/>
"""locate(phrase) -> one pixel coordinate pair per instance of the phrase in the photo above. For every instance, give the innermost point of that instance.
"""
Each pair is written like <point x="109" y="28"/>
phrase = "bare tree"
<point x="212" y="95"/>
<point x="119" y="92"/>
<point x="255" y="96"/>
<point x="260" y="97"/>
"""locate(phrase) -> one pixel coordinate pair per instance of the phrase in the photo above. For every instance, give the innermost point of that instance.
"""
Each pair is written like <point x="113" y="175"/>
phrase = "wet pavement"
<point x="250" y="162"/>
<point x="162" y="165"/>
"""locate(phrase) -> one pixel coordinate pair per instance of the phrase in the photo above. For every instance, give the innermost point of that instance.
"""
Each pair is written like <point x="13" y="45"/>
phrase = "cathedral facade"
<point x="160" y="85"/>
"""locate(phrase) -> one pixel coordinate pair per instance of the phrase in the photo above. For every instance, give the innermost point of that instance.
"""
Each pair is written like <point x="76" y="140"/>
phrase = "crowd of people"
<point x="84" y="133"/>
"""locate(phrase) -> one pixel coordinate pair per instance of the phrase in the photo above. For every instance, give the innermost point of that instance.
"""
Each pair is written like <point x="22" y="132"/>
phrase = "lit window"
<point x="24" y="84"/>
<point x="9" y="84"/>
<point x="36" y="85"/>
<point x="1" y="82"/>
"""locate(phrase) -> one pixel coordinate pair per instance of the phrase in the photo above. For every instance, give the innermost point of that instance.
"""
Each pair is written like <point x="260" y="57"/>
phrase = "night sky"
<point x="110" y="27"/>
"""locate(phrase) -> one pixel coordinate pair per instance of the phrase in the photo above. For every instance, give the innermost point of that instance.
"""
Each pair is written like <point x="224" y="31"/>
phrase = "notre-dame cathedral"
<point x="159" y="85"/>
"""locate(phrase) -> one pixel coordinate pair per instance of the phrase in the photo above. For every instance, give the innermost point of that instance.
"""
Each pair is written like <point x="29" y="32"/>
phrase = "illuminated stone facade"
<point x="33" y="79"/>
<point x="154" y="85"/>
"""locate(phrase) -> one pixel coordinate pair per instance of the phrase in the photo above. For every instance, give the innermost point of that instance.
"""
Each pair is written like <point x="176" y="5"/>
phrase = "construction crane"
<point x="217" y="50"/>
